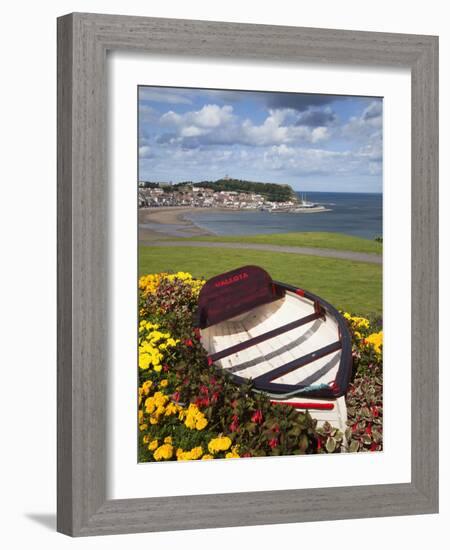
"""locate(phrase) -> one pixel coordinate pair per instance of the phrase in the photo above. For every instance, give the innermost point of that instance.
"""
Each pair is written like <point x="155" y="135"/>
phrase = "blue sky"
<point x="312" y="142"/>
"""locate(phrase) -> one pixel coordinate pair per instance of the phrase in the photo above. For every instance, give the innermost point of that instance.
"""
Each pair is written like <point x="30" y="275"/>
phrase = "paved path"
<point x="323" y="252"/>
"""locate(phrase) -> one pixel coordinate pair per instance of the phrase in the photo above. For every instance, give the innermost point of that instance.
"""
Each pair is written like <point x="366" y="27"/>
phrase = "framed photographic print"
<point x="247" y="274"/>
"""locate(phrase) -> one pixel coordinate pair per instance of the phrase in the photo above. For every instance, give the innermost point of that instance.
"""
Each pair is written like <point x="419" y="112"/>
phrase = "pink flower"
<point x="257" y="416"/>
<point x="273" y="443"/>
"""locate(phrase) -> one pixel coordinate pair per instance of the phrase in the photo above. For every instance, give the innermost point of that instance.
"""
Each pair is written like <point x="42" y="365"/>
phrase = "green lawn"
<point x="336" y="241"/>
<point x="350" y="286"/>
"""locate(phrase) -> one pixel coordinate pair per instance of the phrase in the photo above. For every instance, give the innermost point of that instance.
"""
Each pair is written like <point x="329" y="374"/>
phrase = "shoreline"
<point x="170" y="221"/>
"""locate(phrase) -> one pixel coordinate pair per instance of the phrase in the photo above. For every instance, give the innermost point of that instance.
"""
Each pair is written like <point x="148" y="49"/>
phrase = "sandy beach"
<point x="168" y="221"/>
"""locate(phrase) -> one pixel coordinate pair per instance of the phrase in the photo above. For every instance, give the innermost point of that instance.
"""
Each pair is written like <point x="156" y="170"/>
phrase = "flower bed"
<point x="189" y="410"/>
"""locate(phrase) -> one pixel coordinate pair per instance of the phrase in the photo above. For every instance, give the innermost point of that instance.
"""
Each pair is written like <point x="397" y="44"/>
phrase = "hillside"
<point x="271" y="191"/>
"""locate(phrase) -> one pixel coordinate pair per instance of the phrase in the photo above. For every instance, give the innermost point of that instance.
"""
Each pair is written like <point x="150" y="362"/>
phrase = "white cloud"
<point x="209" y="116"/>
<point x="369" y="124"/>
<point x="219" y="125"/>
<point x="144" y="151"/>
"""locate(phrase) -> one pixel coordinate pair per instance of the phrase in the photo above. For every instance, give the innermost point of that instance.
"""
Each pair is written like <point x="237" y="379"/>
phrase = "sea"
<point x="357" y="214"/>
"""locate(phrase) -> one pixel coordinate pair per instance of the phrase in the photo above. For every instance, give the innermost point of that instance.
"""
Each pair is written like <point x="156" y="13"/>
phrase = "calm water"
<point x="355" y="214"/>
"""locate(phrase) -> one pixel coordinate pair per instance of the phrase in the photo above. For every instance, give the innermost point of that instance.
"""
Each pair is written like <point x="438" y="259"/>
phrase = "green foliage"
<point x="271" y="191"/>
<point x="365" y="394"/>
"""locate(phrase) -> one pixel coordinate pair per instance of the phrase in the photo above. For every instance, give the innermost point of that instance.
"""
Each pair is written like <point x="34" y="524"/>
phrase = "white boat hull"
<point x="274" y="352"/>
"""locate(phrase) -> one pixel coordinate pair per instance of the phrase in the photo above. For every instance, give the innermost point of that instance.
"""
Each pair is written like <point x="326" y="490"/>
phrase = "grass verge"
<point x="351" y="286"/>
<point x="335" y="241"/>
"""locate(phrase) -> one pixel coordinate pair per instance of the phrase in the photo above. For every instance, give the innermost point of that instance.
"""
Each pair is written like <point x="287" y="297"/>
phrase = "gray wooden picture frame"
<point x="83" y="42"/>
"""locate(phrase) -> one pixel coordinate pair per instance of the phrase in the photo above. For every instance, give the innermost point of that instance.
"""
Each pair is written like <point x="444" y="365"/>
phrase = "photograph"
<point x="260" y="264"/>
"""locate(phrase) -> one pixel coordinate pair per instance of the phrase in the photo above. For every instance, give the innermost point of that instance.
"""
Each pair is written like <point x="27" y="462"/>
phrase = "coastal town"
<point x="162" y="194"/>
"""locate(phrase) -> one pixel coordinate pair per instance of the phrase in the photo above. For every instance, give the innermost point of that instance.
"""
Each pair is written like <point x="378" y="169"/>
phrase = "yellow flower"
<point x="193" y="454"/>
<point x="179" y="452"/>
<point x="153" y="445"/>
<point x="164" y="383"/>
<point x="171" y="409"/>
<point x="160" y="399"/>
<point x="164" y="452"/>
<point x="196" y="453"/>
<point x="375" y="340"/>
<point x="201" y="423"/>
<point x="207" y="457"/>
<point x="168" y="439"/>
<point x="146" y="387"/>
<point x="150" y="405"/>
<point x="157" y="368"/>
<point x="146" y="438"/>
<point x="184" y="455"/>
<point x="231" y="455"/>
<point x="219" y="444"/>
<point x="144" y="361"/>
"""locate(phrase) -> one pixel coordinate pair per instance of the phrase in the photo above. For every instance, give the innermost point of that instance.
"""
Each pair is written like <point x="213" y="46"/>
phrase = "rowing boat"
<point x="292" y="344"/>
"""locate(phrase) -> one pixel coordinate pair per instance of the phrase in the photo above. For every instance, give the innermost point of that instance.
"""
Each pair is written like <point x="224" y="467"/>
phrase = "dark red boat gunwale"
<point x="265" y="382"/>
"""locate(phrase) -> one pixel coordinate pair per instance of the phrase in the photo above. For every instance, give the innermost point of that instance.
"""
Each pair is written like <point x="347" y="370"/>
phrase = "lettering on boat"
<point x="232" y="280"/>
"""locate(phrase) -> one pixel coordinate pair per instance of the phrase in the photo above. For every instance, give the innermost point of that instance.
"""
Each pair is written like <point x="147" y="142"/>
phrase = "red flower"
<point x="273" y="443"/>
<point x="257" y="416"/>
<point x="188" y="343"/>
<point x="202" y="402"/>
<point x="234" y="426"/>
<point x="234" y="403"/>
<point x="373" y="447"/>
<point x="375" y="411"/>
<point x="319" y="444"/>
<point x="165" y="368"/>
<point x="276" y="428"/>
<point x="246" y="455"/>
<point x="204" y="389"/>
<point x="176" y="396"/>
<point x="212" y="381"/>
<point x="215" y="396"/>
<point x="369" y="429"/>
